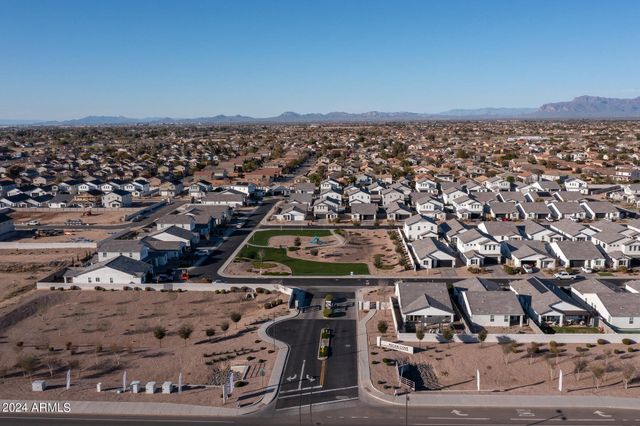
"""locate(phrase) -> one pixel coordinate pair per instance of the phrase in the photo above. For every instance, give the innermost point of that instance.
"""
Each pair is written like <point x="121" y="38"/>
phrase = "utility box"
<point x="135" y="386"/>
<point x="151" y="387"/>
<point x="38" y="386"/>
<point x="99" y="387"/>
<point x="167" y="387"/>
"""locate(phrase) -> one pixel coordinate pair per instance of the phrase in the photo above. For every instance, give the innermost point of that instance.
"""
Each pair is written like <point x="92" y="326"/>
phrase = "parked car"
<point x="33" y="223"/>
<point x="528" y="269"/>
<point x="564" y="275"/>
<point x="218" y="282"/>
<point x="586" y="270"/>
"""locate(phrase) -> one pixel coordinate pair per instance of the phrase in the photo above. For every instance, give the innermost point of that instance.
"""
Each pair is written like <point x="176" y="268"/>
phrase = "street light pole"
<point x="406" y="409"/>
<point x="311" y="380"/>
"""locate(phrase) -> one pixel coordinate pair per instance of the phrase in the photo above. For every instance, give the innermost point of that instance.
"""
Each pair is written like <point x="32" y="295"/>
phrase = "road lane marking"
<point x="563" y="420"/>
<point x="319" y="392"/>
<point x="458" y="418"/>
<point x="301" y="374"/>
<point x="297" y="390"/>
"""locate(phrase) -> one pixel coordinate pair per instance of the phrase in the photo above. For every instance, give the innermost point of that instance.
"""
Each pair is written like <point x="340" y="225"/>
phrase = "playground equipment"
<point x="316" y="240"/>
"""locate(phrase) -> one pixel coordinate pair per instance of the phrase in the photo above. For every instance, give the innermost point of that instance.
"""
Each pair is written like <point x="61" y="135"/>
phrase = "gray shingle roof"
<point x="621" y="304"/>
<point x="493" y="303"/>
<point x="415" y="296"/>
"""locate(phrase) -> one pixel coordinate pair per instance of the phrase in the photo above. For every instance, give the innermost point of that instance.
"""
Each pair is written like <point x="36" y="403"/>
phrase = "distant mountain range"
<point x="582" y="107"/>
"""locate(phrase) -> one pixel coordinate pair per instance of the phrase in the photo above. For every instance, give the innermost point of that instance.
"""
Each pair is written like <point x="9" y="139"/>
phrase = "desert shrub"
<point x="626" y="341"/>
<point x="602" y="342"/>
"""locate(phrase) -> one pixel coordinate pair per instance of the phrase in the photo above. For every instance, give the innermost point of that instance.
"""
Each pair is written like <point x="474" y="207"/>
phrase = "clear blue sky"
<point x="66" y="59"/>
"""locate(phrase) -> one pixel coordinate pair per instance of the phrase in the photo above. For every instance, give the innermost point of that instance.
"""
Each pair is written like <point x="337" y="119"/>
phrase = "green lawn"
<point x="303" y="267"/>
<point x="261" y="238"/>
<point x="576" y="330"/>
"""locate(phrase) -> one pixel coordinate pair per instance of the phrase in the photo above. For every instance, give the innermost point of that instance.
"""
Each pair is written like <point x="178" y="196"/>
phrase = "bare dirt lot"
<point x="519" y="371"/>
<point x="20" y="269"/>
<point x="58" y="218"/>
<point x="68" y="236"/>
<point x="100" y="335"/>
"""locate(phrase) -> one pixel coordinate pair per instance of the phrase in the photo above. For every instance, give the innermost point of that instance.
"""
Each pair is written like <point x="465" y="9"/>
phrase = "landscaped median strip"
<point x="325" y="344"/>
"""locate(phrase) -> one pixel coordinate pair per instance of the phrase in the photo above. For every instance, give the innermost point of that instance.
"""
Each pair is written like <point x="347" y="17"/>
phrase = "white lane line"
<point x="458" y="418"/>
<point x="563" y="420"/>
<point x="301" y="374"/>
<point x="319" y="392"/>
<point x="303" y="389"/>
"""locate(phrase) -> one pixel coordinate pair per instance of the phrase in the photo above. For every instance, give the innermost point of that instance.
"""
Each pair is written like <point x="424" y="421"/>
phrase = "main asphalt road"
<point x="360" y="414"/>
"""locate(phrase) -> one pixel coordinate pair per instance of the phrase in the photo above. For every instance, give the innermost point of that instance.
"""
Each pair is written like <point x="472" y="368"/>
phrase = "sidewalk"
<point x="370" y="394"/>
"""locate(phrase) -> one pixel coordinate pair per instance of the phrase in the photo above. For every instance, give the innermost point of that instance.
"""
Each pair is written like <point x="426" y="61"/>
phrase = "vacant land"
<point x="518" y="369"/>
<point x="100" y="335"/>
<point x="20" y="269"/>
<point x="57" y="218"/>
<point x="68" y="236"/>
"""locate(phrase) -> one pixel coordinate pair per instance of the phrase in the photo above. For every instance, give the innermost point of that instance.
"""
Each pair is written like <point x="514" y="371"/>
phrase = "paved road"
<point x="305" y="379"/>
<point x="209" y="268"/>
<point x="358" y="413"/>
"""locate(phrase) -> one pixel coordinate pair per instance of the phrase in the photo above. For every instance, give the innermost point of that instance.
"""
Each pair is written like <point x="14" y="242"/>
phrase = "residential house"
<point x="530" y="253"/>
<point x="417" y="227"/>
<point x="117" y="198"/>
<point x="291" y="213"/>
<point x="119" y="270"/>
<point x="601" y="210"/>
<point x="534" y="211"/>
<point x="477" y="249"/>
<point x="364" y="211"/>
<point x="549" y="305"/>
<point x="397" y="211"/>
<point x="424" y="304"/>
<point x="575" y="254"/>
<point x="231" y="199"/>
<point x="572" y="231"/>
<point x="576" y="185"/>
<point x="431" y="253"/>
<point x="504" y="211"/>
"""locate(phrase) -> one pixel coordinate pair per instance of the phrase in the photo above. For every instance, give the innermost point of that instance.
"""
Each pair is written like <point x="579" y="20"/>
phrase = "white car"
<point x="528" y="269"/>
<point x="33" y="223"/>
<point x="564" y="275"/>
<point x="586" y="270"/>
